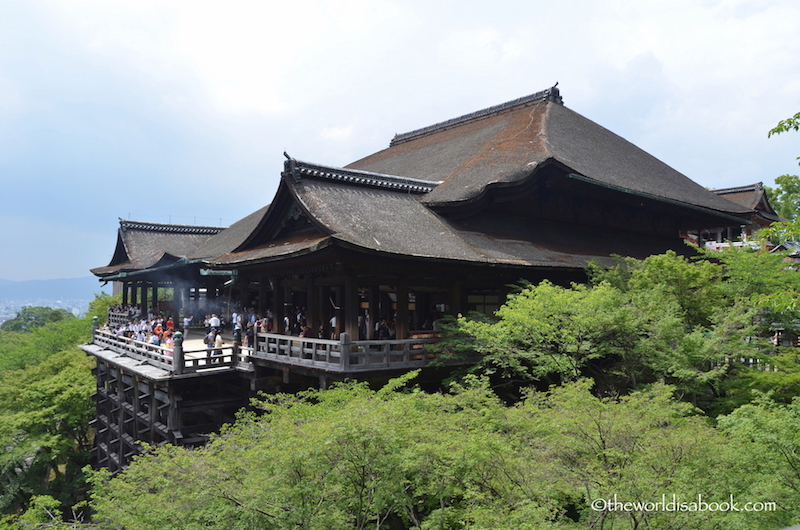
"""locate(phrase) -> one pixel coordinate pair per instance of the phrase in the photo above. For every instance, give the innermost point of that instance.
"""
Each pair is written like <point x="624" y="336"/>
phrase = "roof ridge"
<point x="551" y="94"/>
<point x="126" y="224"/>
<point x="738" y="189"/>
<point x="298" y="170"/>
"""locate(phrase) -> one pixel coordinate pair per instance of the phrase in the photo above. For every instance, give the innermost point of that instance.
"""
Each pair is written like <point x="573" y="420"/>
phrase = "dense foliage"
<point x="30" y="317"/>
<point x="355" y="458"/>
<point x="785" y="196"/>
<point x="46" y="408"/>
<point x="657" y="381"/>
<point x="688" y="322"/>
<point x="492" y="452"/>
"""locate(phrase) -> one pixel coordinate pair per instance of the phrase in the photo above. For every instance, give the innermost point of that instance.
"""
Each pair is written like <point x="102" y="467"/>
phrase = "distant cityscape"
<point x="72" y="294"/>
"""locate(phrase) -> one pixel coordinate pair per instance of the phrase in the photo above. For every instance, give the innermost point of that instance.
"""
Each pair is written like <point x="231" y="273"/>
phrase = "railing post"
<point x="344" y="354"/>
<point x="177" y="354"/>
<point x="235" y="351"/>
<point x="95" y="327"/>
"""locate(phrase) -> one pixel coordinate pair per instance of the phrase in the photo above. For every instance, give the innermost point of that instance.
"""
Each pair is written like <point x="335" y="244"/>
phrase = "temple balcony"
<point x="343" y="358"/>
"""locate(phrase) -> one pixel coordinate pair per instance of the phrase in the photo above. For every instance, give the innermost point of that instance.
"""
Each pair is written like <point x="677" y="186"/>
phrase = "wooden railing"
<point x="119" y="319"/>
<point x="176" y="360"/>
<point x="343" y="355"/>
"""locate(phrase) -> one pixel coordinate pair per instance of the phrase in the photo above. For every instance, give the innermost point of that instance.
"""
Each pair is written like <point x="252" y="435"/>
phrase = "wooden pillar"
<point x="385" y="302"/>
<point x="186" y="292"/>
<point x="401" y="325"/>
<point x="177" y="354"/>
<point x="262" y="296"/>
<point x="143" y="305"/>
<point x="287" y="308"/>
<point x="211" y="295"/>
<point x="417" y="317"/>
<point x="177" y="302"/>
<point x="457" y="298"/>
<point x="312" y="305"/>
<point x="350" y="324"/>
<point x="125" y="287"/>
<point x="119" y="445"/>
<point x="173" y="415"/>
<point x="277" y="306"/>
<point x="155" y="298"/>
<point x="324" y="310"/>
<point x="374" y="310"/>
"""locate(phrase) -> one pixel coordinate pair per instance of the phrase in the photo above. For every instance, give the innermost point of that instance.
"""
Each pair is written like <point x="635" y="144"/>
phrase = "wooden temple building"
<point x="442" y="221"/>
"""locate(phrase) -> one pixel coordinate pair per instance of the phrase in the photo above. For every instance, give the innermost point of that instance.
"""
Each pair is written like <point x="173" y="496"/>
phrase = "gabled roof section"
<point x="316" y="205"/>
<point x="754" y="197"/>
<point x="383" y="221"/>
<point x="141" y="245"/>
<point x="751" y="196"/>
<point x="504" y="145"/>
<point x="551" y="94"/>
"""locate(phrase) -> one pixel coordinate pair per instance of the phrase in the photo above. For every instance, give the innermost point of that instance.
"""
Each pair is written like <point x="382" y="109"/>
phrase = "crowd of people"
<point x="243" y="323"/>
<point x="157" y="331"/>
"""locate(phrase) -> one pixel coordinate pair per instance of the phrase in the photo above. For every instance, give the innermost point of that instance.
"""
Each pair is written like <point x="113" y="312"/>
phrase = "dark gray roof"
<point x="231" y="238"/>
<point x="505" y="144"/>
<point x="396" y="222"/>
<point x="752" y="196"/>
<point x="396" y="201"/>
<point x="143" y="245"/>
<point x="298" y="170"/>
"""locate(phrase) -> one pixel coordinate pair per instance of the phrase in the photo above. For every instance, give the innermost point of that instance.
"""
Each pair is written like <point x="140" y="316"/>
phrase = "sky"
<point x="180" y="111"/>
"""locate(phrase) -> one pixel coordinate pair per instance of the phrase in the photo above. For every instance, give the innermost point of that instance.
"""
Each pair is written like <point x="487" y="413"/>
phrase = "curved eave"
<point x="578" y="265"/>
<point x="241" y="259"/>
<point x="708" y="211"/>
<point x="284" y="193"/>
<point x="309" y="212"/>
<point x="127" y="275"/>
<point x="526" y="175"/>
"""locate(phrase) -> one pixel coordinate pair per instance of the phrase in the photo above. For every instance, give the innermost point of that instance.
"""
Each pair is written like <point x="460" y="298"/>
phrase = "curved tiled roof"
<point x="399" y="201"/>
<point x="397" y="223"/>
<point x="752" y="196"/>
<point x="504" y="145"/>
<point x="143" y="245"/>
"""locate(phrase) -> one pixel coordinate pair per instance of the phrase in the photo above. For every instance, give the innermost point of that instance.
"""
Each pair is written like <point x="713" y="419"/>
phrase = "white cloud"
<point x="337" y="133"/>
<point x="180" y="95"/>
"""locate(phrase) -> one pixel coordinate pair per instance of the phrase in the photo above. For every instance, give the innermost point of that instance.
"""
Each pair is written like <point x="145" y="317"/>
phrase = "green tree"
<point x="347" y="457"/>
<point x="45" y="412"/>
<point x="350" y="457"/>
<point x="767" y="433"/>
<point x="789" y="124"/>
<point x="688" y="322"/>
<point x="46" y="408"/>
<point x="100" y="305"/>
<point x="30" y="317"/>
<point x="785" y="196"/>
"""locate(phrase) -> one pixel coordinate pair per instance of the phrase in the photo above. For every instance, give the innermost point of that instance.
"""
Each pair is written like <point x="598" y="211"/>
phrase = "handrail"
<point x="342" y="356"/>
<point x="177" y="360"/>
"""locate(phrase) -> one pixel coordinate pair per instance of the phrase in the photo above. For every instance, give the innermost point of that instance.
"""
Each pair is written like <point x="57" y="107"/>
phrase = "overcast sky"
<point x="179" y="111"/>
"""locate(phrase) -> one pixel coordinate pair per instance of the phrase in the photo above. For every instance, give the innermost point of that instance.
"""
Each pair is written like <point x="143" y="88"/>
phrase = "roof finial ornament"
<point x="554" y="94"/>
<point x="290" y="167"/>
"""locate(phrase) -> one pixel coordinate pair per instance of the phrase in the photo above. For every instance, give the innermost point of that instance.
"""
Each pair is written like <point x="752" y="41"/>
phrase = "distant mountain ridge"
<point x="62" y="289"/>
